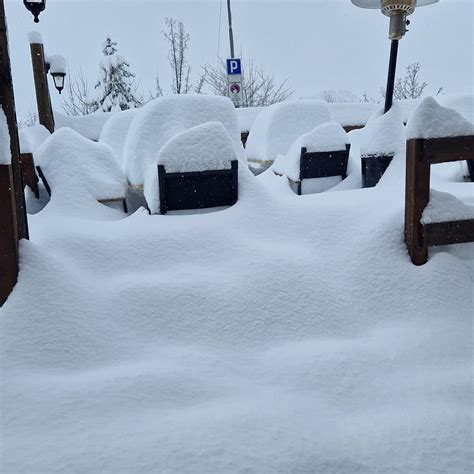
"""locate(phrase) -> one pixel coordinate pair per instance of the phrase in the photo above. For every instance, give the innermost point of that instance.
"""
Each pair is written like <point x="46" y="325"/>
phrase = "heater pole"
<point x="392" y="69"/>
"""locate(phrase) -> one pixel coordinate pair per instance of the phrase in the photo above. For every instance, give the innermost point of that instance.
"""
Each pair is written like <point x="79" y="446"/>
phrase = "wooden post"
<point x="417" y="196"/>
<point x="43" y="99"/>
<point x="13" y="220"/>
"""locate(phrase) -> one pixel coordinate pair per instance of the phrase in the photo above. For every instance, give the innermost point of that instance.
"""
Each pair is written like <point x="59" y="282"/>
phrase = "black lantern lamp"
<point x="397" y="11"/>
<point x="58" y="78"/>
<point x="35" y="7"/>
<point x="56" y="66"/>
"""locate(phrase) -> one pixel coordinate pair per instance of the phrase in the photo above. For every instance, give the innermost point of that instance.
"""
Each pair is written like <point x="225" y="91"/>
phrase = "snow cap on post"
<point x="34" y="37"/>
<point x="5" y="152"/>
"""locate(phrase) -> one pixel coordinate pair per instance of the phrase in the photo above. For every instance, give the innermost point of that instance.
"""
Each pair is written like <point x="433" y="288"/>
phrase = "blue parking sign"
<point x="234" y="67"/>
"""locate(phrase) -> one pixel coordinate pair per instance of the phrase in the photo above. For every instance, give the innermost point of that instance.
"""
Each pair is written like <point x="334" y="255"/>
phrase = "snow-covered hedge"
<point x="114" y="133"/>
<point x="164" y="118"/>
<point x="206" y="147"/>
<point x="32" y="137"/>
<point x="327" y="137"/>
<point x="431" y="120"/>
<point x="88" y="126"/>
<point x="73" y="164"/>
<point x="279" y="125"/>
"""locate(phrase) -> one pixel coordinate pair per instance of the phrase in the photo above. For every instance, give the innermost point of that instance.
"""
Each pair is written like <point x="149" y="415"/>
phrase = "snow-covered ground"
<point x="284" y="334"/>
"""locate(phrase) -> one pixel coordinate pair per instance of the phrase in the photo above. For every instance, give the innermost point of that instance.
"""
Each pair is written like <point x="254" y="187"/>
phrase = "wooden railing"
<point x="421" y="154"/>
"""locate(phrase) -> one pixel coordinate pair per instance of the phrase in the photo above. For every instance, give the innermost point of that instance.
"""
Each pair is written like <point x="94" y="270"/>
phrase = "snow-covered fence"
<point x="429" y="229"/>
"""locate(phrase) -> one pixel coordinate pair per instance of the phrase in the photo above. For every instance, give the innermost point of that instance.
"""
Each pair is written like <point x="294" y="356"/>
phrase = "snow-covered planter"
<point x="277" y="127"/>
<point x="320" y="154"/>
<point x="72" y="165"/>
<point x="196" y="169"/>
<point x="384" y="137"/>
<point x="89" y="126"/>
<point x="162" y="119"/>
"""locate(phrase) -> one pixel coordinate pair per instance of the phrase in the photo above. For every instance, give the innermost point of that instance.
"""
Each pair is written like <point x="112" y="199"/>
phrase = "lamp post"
<point x="13" y="218"/>
<point x="397" y="11"/>
<point x="56" y="66"/>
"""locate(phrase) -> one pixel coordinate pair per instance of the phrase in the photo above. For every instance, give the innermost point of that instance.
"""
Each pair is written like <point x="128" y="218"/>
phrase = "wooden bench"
<point x="198" y="189"/>
<point x="321" y="165"/>
<point x="421" y="154"/>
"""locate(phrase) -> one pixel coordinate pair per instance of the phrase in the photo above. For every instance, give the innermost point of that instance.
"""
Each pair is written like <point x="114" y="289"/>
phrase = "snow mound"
<point x="5" y="152"/>
<point x="431" y="120"/>
<point x="34" y="37"/>
<point x="32" y="137"/>
<point x="352" y="114"/>
<point x="327" y="137"/>
<point x="384" y="134"/>
<point x="202" y="148"/>
<point x="162" y="119"/>
<point x="247" y="117"/>
<point x="57" y="63"/>
<point x="444" y="207"/>
<point x="88" y="126"/>
<point x="73" y="165"/>
<point x="279" y="125"/>
<point x="114" y="133"/>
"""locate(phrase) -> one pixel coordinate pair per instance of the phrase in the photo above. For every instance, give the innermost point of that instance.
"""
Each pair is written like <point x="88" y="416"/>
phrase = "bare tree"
<point x="410" y="86"/>
<point x="259" y="88"/>
<point x="178" y="41"/>
<point x="28" y="120"/>
<point x="340" y="96"/>
<point x="78" y="99"/>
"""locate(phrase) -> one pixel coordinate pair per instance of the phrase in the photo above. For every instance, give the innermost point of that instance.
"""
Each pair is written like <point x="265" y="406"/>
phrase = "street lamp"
<point x="35" y="7"/>
<point x="57" y="68"/>
<point x="397" y="11"/>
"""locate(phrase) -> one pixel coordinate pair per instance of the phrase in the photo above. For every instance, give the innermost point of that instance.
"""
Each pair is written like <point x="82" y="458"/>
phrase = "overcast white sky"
<point x="315" y="44"/>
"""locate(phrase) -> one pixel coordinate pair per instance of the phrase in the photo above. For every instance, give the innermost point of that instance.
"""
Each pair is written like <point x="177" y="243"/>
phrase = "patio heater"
<point x="397" y="11"/>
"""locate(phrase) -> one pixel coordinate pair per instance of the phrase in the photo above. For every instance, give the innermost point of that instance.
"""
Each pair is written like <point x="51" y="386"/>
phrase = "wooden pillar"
<point x="43" y="99"/>
<point x="417" y="196"/>
<point x="13" y="220"/>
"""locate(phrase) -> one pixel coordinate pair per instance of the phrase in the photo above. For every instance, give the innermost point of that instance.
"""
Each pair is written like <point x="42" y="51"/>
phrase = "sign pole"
<point x="231" y="32"/>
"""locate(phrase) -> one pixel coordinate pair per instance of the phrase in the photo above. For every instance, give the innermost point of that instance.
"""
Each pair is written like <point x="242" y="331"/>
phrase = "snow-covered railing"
<point x="430" y="229"/>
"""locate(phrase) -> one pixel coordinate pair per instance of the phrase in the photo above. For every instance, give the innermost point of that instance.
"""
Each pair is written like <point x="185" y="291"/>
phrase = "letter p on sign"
<point x="234" y="67"/>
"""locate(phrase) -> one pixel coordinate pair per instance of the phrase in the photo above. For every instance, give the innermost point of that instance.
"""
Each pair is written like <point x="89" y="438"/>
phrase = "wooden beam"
<point x="444" y="150"/>
<point x="28" y="172"/>
<point x="447" y="233"/>
<point x="417" y="195"/>
<point x="43" y="100"/>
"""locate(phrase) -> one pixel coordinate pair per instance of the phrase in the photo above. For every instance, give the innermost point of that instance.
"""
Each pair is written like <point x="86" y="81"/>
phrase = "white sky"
<point x="315" y="44"/>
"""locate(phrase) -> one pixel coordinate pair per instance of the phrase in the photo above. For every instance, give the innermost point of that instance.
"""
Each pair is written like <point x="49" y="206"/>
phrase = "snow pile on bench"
<point x="73" y="165"/>
<point x="444" y="207"/>
<point x="247" y="117"/>
<point x="384" y="134"/>
<point x="352" y="114"/>
<point x="88" y="126"/>
<point x="32" y="137"/>
<point x="279" y="125"/>
<point x="431" y="120"/>
<point x="328" y="137"/>
<point x="207" y="147"/>
<point x="5" y="152"/>
<point x="114" y="133"/>
<point x="162" y="119"/>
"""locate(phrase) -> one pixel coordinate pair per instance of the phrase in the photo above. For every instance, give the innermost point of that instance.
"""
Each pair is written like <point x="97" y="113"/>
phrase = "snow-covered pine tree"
<point x="116" y="85"/>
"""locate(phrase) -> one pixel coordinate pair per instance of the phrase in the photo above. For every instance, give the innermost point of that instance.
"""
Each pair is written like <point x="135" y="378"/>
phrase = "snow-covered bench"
<point x="435" y="135"/>
<point x="322" y="153"/>
<point x="196" y="169"/>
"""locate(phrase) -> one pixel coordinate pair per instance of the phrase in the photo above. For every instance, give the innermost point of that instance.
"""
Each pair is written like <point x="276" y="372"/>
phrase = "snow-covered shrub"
<point x="279" y="125"/>
<point x="114" y="132"/>
<point x="73" y="165"/>
<point x="431" y="120"/>
<point x="88" y="126"/>
<point x="327" y="137"/>
<point x="32" y="137"/>
<point x="207" y="147"/>
<point x="162" y="119"/>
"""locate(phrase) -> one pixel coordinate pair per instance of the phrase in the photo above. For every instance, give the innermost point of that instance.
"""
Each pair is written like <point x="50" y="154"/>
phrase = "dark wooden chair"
<point x="322" y="165"/>
<point x="421" y="154"/>
<point x="198" y="189"/>
<point x="28" y="172"/>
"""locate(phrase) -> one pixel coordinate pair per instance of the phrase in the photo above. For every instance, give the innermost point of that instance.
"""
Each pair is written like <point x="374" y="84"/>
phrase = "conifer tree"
<point x="116" y="85"/>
